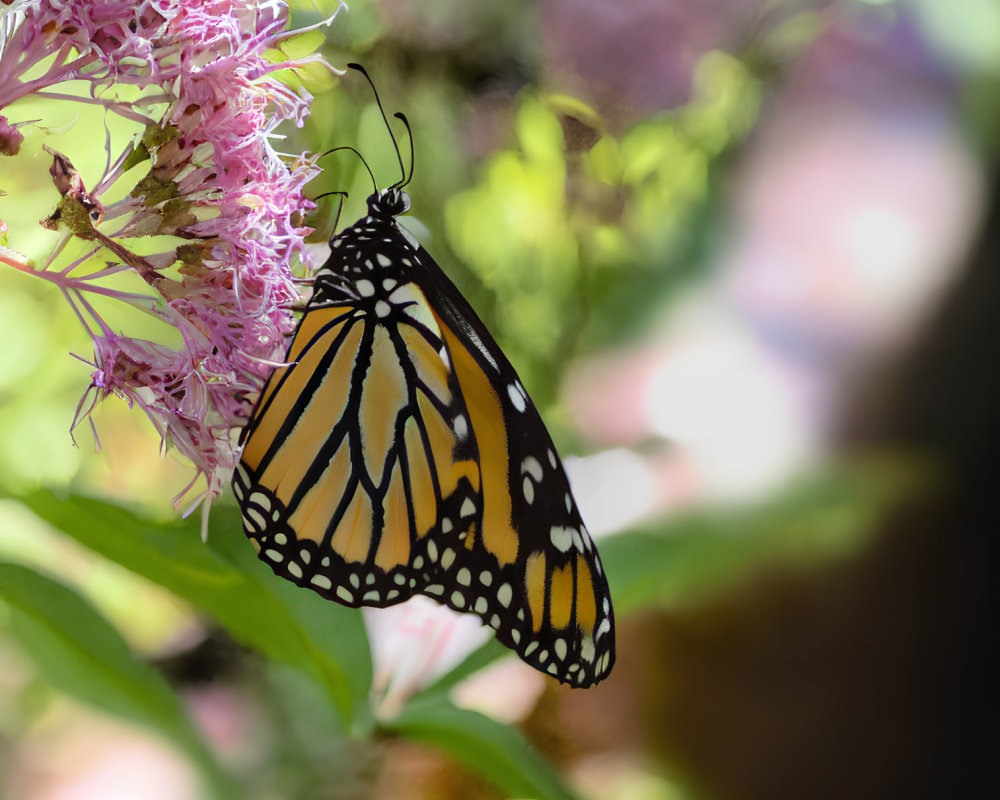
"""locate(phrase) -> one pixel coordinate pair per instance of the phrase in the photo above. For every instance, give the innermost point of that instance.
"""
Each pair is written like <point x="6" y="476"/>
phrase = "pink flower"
<point x="235" y="206"/>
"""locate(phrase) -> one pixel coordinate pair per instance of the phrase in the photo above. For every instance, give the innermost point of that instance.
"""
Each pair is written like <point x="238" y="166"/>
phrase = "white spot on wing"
<point x="515" y="398"/>
<point x="505" y="594"/>
<point x="560" y="648"/>
<point x="562" y="538"/>
<point x="532" y="466"/>
<point x="255" y="515"/>
<point x="529" y="490"/>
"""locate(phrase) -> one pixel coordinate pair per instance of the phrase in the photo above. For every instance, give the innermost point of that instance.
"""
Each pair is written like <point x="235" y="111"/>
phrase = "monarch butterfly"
<point x="397" y="453"/>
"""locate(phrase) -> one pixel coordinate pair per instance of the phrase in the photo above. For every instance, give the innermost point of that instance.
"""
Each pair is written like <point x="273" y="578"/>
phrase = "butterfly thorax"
<point x="371" y="262"/>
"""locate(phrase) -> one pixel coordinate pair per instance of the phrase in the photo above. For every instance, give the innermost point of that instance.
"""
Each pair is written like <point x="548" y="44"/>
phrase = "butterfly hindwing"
<point x="397" y="453"/>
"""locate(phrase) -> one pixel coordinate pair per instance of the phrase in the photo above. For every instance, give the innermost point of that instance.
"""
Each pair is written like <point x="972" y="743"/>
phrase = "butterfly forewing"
<point x="398" y="453"/>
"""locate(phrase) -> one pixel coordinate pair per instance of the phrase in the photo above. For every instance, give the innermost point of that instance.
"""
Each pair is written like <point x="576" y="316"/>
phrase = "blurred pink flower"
<point x="85" y="757"/>
<point x="214" y="180"/>
<point x="638" y="55"/>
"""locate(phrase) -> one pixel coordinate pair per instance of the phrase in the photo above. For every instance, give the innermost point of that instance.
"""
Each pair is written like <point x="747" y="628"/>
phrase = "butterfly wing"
<point x="528" y="567"/>
<point x="397" y="453"/>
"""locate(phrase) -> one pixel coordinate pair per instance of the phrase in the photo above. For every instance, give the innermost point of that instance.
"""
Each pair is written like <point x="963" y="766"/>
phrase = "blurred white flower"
<point x="413" y="644"/>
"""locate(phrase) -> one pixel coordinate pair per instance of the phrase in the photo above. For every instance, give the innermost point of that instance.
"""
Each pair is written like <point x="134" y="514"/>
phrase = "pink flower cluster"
<point x="209" y="105"/>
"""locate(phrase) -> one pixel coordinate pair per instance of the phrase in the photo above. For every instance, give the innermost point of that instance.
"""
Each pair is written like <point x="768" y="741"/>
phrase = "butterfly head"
<point x="388" y="203"/>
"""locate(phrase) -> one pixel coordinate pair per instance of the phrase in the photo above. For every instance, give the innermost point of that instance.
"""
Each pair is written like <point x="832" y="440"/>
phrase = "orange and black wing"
<point x="397" y="453"/>
<point x="540" y="582"/>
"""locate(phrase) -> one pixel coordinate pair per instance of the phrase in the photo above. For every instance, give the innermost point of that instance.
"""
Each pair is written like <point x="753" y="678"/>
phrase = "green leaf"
<point x="497" y="752"/>
<point x="81" y="654"/>
<point x="676" y="561"/>
<point x="224" y="578"/>
<point x="299" y="45"/>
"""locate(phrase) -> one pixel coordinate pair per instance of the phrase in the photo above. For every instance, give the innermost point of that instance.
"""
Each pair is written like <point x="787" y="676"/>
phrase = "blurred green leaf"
<point x="322" y="639"/>
<point x="497" y="752"/>
<point x="604" y="160"/>
<point x="681" y="559"/>
<point x="80" y="653"/>
<point x="355" y="29"/>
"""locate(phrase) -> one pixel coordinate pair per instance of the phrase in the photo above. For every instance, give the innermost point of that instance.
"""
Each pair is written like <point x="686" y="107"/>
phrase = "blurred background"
<point x="743" y="255"/>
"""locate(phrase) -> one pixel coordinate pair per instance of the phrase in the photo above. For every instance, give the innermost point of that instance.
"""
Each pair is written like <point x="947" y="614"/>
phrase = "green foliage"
<point x="823" y="518"/>
<point x="79" y="653"/>
<point x="580" y="249"/>
<point x="495" y="751"/>
<point x="224" y="578"/>
<point x="323" y="642"/>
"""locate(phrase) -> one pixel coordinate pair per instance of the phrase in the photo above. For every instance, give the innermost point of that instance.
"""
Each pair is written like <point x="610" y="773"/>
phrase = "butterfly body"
<point x="397" y="453"/>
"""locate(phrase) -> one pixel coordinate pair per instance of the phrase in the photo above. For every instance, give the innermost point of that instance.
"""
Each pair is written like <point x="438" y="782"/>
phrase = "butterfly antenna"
<point x="399" y="156"/>
<point x="409" y="135"/>
<point x="348" y="147"/>
<point x="343" y="197"/>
